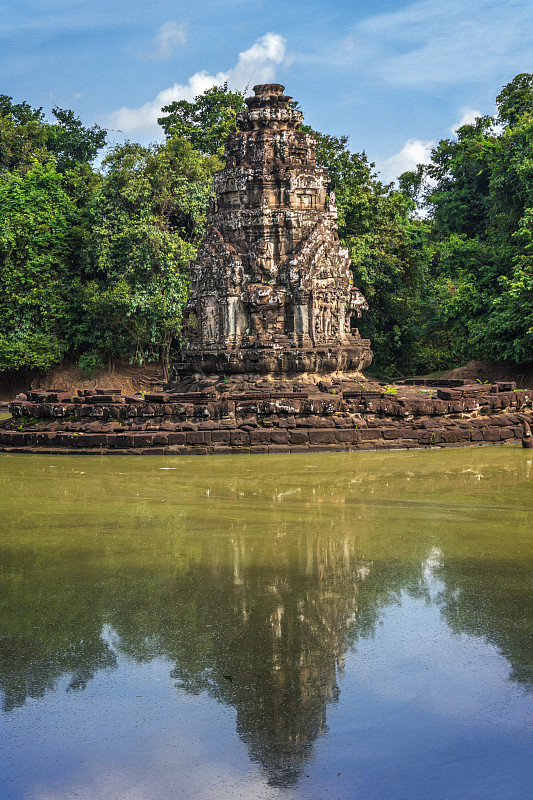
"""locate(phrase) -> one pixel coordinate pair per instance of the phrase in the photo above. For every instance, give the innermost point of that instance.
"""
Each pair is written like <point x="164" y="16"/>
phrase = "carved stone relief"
<point x="270" y="272"/>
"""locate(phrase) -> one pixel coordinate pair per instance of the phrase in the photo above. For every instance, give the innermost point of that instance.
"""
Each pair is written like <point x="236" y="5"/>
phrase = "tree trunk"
<point x="165" y="351"/>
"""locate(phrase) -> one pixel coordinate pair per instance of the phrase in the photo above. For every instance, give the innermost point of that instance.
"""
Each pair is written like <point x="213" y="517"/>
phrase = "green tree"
<point x="36" y="240"/>
<point x="479" y="201"/>
<point x="45" y="182"/>
<point x="145" y="222"/>
<point x="389" y="253"/>
<point x="26" y="135"/>
<point x="207" y="121"/>
<point x="71" y="142"/>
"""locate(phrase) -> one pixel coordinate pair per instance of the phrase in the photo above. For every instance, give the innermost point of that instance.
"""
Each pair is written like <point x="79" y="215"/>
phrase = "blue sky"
<point x="394" y="76"/>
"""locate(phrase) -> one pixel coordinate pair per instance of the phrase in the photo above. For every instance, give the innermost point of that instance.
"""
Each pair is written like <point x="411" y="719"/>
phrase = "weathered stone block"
<point x="198" y="437"/>
<point x="260" y="436"/>
<point x="322" y="436"/>
<point x="491" y="434"/>
<point x="450" y="436"/>
<point x="152" y="451"/>
<point x="279" y="436"/>
<point x="391" y="433"/>
<point x="370" y="434"/>
<point x="142" y="439"/>
<point x="97" y="440"/>
<point x="345" y="435"/>
<point x="439" y="407"/>
<point x="341" y="422"/>
<point x="299" y="436"/>
<point x="221" y="436"/>
<point x="239" y="438"/>
<point x="176" y="437"/>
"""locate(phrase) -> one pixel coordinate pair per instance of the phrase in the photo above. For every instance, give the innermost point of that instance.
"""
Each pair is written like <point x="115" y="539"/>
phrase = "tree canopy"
<point x="479" y="200"/>
<point x="207" y="121"/>
<point x="94" y="262"/>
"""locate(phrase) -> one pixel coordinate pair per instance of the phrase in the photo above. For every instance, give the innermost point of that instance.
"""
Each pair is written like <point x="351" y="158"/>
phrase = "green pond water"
<point x="353" y="625"/>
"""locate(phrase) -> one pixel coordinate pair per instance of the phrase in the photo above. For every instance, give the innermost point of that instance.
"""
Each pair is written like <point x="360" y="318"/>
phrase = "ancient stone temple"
<point x="271" y="288"/>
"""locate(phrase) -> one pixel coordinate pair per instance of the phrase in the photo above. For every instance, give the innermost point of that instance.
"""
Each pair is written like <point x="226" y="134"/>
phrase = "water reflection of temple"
<point x="258" y="603"/>
<point x="279" y="642"/>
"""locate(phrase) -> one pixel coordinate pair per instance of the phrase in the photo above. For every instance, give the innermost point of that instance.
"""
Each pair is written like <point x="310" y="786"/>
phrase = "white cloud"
<point x="255" y="65"/>
<point x="171" y="35"/>
<point x="430" y="43"/>
<point x="469" y="115"/>
<point x="414" y="152"/>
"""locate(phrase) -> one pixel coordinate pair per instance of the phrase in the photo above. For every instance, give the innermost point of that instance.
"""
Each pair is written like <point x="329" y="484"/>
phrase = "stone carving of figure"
<point x="322" y="317"/>
<point x="326" y="321"/>
<point x="263" y="263"/>
<point x="316" y="319"/>
<point x="333" y="203"/>
<point x="210" y="320"/>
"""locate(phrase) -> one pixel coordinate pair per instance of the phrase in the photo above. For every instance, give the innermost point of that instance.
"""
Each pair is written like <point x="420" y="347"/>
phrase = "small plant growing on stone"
<point x="391" y="390"/>
<point x="27" y="421"/>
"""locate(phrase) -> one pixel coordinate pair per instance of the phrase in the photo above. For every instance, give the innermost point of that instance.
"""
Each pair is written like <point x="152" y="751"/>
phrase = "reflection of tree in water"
<point x="51" y="626"/>
<point x="263" y="629"/>
<point x="495" y="604"/>
<point x="259" y="622"/>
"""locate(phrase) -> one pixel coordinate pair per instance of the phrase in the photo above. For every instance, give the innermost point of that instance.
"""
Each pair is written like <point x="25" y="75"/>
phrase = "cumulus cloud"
<point x="170" y="36"/>
<point x="469" y="115"/>
<point x="255" y="65"/>
<point x="429" y="43"/>
<point x="418" y="151"/>
<point x="414" y="152"/>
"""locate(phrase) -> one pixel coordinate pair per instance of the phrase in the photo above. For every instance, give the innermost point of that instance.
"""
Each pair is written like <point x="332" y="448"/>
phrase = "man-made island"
<point x="273" y="361"/>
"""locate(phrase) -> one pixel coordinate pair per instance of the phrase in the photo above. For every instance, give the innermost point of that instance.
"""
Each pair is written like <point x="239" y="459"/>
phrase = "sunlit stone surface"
<point x="271" y="288"/>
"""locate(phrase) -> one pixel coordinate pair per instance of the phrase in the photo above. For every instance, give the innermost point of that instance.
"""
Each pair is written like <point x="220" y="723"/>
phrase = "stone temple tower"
<point x="271" y="287"/>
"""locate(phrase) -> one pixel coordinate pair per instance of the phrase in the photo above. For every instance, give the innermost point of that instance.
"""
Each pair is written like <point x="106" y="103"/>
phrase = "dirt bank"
<point x="124" y="377"/>
<point x="490" y="371"/>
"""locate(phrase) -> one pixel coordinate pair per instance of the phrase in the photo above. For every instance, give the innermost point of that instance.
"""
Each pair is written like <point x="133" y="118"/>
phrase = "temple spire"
<point x="271" y="287"/>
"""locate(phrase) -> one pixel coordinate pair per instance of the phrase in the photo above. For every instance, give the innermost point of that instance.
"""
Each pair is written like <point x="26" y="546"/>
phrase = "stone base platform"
<point x="275" y="360"/>
<point x="282" y="417"/>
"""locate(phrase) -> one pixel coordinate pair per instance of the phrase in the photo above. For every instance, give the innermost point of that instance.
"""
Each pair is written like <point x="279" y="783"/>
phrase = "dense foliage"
<point x="94" y="262"/>
<point x="144" y="221"/>
<point x="45" y="184"/>
<point x="478" y="195"/>
<point x="389" y="252"/>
